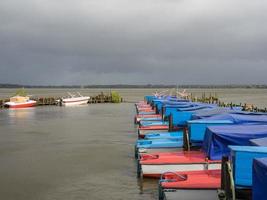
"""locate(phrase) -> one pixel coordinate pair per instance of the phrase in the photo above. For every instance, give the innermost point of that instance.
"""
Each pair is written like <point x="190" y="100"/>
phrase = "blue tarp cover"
<point x="259" y="188"/>
<point x="217" y="138"/>
<point x="200" y="114"/>
<point x="242" y="161"/>
<point x="197" y="107"/>
<point x="241" y="117"/>
<point x="259" y="142"/>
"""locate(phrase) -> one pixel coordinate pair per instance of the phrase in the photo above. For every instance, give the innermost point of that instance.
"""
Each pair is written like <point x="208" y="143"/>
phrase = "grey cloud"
<point x="126" y="41"/>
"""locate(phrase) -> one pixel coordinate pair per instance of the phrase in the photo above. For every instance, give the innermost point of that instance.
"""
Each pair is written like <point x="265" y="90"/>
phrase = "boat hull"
<point x="74" y="103"/>
<point x="187" y="194"/>
<point x="21" y="105"/>
<point x="155" y="171"/>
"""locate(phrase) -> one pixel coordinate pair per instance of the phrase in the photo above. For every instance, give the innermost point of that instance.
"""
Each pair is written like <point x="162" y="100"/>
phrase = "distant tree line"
<point x="131" y="86"/>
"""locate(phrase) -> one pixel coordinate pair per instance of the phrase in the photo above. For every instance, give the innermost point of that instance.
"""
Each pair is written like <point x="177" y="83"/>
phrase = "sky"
<point x="66" y="42"/>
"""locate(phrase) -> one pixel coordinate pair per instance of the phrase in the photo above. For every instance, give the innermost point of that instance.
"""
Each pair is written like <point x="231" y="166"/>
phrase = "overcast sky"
<point x="133" y="42"/>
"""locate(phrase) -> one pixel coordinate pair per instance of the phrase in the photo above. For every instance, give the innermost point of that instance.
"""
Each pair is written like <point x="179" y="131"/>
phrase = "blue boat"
<point x="218" y="138"/>
<point x="153" y="123"/>
<point x="159" y="145"/>
<point x="165" y="135"/>
<point x="259" y="187"/>
<point x="237" y="171"/>
<point x="197" y="128"/>
<point x="149" y="98"/>
<point x="180" y="117"/>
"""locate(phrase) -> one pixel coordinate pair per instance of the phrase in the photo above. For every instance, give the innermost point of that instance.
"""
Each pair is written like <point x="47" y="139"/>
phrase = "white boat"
<point x="73" y="100"/>
<point x="153" y="165"/>
<point x="20" y="102"/>
<point x="154" y="171"/>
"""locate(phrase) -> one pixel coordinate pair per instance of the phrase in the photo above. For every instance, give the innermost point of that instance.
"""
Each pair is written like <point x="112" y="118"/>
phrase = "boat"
<point x="72" y="100"/>
<point x="139" y="118"/>
<point x="237" y="173"/>
<point x="197" y="128"/>
<point x="206" y="181"/>
<point x="20" y="102"/>
<point x="190" y="194"/>
<point x="142" y="131"/>
<point x="241" y="160"/>
<point x="164" y="135"/>
<point x="175" y="140"/>
<point x="215" y="145"/>
<point x="184" y="94"/>
<point x="259" y="186"/>
<point x="158" y="145"/>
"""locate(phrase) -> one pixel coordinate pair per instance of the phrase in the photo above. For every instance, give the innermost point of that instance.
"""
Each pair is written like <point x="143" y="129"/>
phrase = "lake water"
<point x="85" y="152"/>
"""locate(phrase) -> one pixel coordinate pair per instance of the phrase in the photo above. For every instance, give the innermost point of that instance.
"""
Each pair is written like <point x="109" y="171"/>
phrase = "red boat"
<point x="156" y="164"/>
<point x="204" y="179"/>
<point x="145" y="110"/>
<point x="20" y="102"/>
<point x="190" y="184"/>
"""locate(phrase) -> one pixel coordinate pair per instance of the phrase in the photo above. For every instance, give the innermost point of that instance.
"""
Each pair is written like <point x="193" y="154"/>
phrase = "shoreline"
<point x="126" y="86"/>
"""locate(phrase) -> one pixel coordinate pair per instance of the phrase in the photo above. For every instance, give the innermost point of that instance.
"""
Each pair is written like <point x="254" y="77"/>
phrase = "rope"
<point x="162" y="179"/>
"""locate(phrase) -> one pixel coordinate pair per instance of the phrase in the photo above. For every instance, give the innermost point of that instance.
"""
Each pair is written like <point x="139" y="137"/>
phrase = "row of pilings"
<point x="213" y="99"/>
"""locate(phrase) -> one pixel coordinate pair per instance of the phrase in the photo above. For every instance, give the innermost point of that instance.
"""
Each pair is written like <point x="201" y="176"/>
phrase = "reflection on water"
<point x="18" y="115"/>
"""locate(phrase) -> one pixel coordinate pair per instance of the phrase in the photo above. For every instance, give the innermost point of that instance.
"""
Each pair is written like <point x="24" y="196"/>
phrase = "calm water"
<point x="85" y="152"/>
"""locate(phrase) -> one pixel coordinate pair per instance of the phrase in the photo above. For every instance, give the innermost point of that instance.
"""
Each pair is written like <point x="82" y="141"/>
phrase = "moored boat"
<point x="215" y="145"/>
<point x="20" y="102"/>
<point x="72" y="100"/>
<point x="237" y="172"/>
<point x="259" y="186"/>
<point x="172" y="183"/>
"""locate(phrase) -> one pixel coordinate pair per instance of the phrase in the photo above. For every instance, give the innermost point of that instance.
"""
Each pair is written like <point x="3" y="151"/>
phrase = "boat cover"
<point x="196" y="107"/>
<point x="259" y="191"/>
<point x="242" y="163"/>
<point x="200" y="114"/>
<point x="259" y="142"/>
<point x="217" y="138"/>
<point x="241" y="117"/>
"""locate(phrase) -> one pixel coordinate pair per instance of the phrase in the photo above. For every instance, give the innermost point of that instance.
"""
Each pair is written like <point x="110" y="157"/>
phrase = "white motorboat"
<point x="20" y="102"/>
<point x="73" y="100"/>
